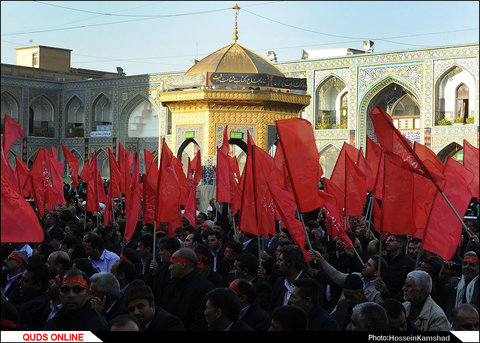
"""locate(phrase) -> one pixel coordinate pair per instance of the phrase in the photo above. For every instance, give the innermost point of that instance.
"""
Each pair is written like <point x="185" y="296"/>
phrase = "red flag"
<point x="196" y="167"/>
<point x="374" y="155"/>
<point x="124" y="167"/>
<point x="84" y="175"/>
<point x="190" y="212"/>
<point x="235" y="190"/>
<point x="37" y="179"/>
<point x="168" y="190"/>
<point x="265" y="208"/>
<point x="22" y="172"/>
<point x="355" y="188"/>
<point x="423" y="195"/>
<point x="225" y="145"/>
<point x="397" y="202"/>
<point x="115" y="176"/>
<point x="148" y="157"/>
<point x="334" y="219"/>
<point x="287" y="207"/>
<point x="134" y="203"/>
<point x="431" y="162"/>
<point x="301" y="156"/>
<point x="149" y="194"/>
<point x="393" y="141"/>
<point x="182" y="179"/>
<point x="338" y="173"/>
<point x="364" y="166"/>
<point x="11" y="132"/>
<point x="222" y="179"/>
<point x="331" y="188"/>
<point x="72" y="162"/>
<point x="471" y="163"/>
<point x="248" y="214"/>
<point x="92" y="186"/>
<point x="279" y="174"/>
<point x="56" y="171"/>
<point x="50" y="198"/>
<point x="443" y="231"/>
<point x="19" y="222"/>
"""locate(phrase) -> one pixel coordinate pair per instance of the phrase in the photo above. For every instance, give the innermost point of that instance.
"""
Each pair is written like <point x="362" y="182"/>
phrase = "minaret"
<point x="236" y="9"/>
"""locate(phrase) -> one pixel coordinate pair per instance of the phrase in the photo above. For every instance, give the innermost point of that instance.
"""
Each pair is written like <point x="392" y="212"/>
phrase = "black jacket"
<point x="257" y="318"/>
<point x="85" y="319"/>
<point x="278" y="291"/>
<point x="185" y="298"/>
<point x="320" y="320"/>
<point x="164" y="321"/>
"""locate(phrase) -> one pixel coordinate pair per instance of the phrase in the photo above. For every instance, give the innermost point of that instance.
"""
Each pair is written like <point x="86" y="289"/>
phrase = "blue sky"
<point x="164" y="36"/>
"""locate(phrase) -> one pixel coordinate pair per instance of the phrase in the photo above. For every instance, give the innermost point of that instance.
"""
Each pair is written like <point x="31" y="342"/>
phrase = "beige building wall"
<point x="43" y="57"/>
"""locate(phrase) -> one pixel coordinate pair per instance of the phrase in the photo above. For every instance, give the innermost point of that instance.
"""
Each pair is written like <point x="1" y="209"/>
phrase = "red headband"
<point x="231" y="251"/>
<point x="18" y="258"/>
<point x="237" y="289"/>
<point x="471" y="259"/>
<point x="76" y="280"/>
<point x="184" y="260"/>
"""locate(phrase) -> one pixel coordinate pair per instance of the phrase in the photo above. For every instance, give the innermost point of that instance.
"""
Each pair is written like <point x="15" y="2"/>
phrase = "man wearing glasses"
<point x="76" y="312"/>
<point x="399" y="265"/>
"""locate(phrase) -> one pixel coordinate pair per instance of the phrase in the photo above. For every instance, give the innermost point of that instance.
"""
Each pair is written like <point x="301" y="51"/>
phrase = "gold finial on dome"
<point x="235" y="11"/>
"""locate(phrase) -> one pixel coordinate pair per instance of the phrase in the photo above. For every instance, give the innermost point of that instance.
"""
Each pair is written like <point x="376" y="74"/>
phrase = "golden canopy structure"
<point x="232" y="87"/>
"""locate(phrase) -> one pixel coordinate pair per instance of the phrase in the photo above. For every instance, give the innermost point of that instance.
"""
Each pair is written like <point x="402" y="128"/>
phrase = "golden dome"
<point x="234" y="58"/>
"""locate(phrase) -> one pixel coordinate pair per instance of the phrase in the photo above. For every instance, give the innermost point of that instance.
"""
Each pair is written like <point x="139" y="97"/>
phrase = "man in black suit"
<point x="12" y="274"/>
<point x="140" y="303"/>
<point x="306" y="295"/>
<point x="246" y="267"/>
<point x="291" y="263"/>
<point x="222" y="309"/>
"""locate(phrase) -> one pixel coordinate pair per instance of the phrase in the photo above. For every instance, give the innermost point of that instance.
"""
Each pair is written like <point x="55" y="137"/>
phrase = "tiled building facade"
<point x="432" y="95"/>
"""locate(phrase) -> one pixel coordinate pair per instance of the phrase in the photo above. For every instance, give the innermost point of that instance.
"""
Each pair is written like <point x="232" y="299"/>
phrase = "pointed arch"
<point x="448" y="107"/>
<point x="102" y="112"/>
<point x="41" y="120"/>
<point x="10" y="106"/>
<point x="132" y="107"/>
<point x="143" y="118"/>
<point x="327" y="158"/>
<point x="328" y="103"/>
<point x="452" y="150"/>
<point x="385" y="93"/>
<point x="74" y="118"/>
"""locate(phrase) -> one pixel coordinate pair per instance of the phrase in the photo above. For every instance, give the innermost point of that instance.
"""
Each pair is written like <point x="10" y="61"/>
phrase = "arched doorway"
<point x="453" y="150"/>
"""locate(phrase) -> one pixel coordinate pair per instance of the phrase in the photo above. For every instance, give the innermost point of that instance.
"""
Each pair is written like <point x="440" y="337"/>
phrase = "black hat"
<point x="353" y="281"/>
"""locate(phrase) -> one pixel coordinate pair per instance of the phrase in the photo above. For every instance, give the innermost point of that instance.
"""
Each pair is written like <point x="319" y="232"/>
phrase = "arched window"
<point x="331" y="104"/>
<point x="41" y="118"/>
<point x="453" y="103"/>
<point x="103" y="165"/>
<point x="102" y="114"/>
<point x="75" y="112"/>
<point x="461" y="103"/>
<point x="143" y="121"/>
<point x="406" y="114"/>
<point x="10" y="107"/>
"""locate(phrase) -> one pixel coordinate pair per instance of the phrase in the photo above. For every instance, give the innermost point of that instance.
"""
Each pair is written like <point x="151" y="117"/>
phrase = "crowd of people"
<point x="212" y="277"/>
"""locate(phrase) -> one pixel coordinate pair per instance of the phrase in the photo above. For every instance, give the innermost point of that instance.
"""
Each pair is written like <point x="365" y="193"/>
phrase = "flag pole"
<point x="304" y="229"/>
<point x="154" y="238"/>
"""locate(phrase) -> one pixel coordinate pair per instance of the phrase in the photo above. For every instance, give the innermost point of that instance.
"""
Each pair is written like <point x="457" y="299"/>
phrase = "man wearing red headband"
<point x="76" y="313"/>
<point x="12" y="274"/>
<point x="460" y="290"/>
<point x="184" y="296"/>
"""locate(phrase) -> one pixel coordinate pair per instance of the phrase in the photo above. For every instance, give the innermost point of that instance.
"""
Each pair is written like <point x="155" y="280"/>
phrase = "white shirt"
<point x="105" y="262"/>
